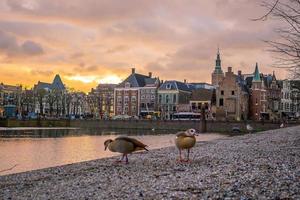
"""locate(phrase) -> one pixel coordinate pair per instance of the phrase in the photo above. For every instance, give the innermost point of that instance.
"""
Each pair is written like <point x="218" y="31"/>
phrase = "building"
<point x="218" y="74"/>
<point x="173" y="96"/>
<point x="136" y="95"/>
<point x="101" y="100"/>
<point x="265" y="96"/>
<point x="204" y="98"/>
<point x="50" y="98"/>
<point x="232" y="97"/>
<point x="290" y="99"/>
<point x="206" y="86"/>
<point x="10" y="96"/>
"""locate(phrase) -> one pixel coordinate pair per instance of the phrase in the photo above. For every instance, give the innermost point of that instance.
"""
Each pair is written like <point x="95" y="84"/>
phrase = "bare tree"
<point x="287" y="47"/>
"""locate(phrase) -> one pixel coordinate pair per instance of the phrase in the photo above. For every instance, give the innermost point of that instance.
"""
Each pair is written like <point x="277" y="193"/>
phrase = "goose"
<point x="249" y="128"/>
<point x="185" y="140"/>
<point x="124" y="145"/>
<point x="282" y="125"/>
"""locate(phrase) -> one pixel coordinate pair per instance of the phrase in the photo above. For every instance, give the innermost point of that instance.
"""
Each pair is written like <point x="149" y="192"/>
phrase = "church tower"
<point x="217" y="75"/>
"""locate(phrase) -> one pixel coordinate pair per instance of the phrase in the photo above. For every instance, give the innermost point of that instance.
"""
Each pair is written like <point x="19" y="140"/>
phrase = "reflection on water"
<point x="36" y="153"/>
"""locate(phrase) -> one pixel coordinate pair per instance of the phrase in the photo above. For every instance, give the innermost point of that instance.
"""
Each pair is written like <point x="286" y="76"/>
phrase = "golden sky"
<point x="92" y="41"/>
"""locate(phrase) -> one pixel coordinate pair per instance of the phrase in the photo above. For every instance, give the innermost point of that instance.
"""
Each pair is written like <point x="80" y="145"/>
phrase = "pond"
<point x="29" y="149"/>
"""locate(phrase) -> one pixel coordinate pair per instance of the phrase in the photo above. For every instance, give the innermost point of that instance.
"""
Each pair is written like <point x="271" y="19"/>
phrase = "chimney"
<point x="132" y="70"/>
<point x="162" y="81"/>
<point x="229" y="69"/>
<point x="240" y="73"/>
<point x="184" y="81"/>
<point x="150" y="74"/>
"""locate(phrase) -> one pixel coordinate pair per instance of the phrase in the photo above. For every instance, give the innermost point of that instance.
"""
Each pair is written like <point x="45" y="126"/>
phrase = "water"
<point x="30" y="151"/>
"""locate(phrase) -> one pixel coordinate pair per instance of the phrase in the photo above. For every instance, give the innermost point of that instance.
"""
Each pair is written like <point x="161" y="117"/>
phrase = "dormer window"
<point x="127" y="85"/>
<point x="168" y="86"/>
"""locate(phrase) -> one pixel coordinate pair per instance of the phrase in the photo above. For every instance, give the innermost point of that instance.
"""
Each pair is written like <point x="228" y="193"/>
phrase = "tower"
<point x="217" y="74"/>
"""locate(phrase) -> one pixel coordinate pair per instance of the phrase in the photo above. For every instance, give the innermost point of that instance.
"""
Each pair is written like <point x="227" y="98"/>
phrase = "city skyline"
<point x="88" y="42"/>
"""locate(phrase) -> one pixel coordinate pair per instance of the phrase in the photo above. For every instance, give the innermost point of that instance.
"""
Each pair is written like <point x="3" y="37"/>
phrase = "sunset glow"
<point x="100" y="41"/>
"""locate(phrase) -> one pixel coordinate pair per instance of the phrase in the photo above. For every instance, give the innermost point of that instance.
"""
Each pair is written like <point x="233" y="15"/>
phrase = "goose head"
<point x="191" y="132"/>
<point x="106" y="143"/>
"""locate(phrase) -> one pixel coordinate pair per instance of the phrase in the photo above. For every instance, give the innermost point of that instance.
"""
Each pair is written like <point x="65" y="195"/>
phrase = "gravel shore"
<point x="265" y="165"/>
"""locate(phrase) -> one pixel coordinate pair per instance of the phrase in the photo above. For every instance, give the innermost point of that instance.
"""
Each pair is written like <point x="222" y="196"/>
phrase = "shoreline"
<point x="261" y="165"/>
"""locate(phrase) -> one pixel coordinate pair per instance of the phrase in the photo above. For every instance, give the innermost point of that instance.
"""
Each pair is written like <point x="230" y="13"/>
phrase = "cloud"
<point x="10" y="46"/>
<point x="174" y="39"/>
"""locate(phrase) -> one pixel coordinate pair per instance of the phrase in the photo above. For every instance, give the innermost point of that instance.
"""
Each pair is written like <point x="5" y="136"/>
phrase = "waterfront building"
<point x="265" y="95"/>
<point x="10" y="95"/>
<point x="50" y="98"/>
<point x="232" y="97"/>
<point x="290" y="99"/>
<point x="173" y="96"/>
<point x="136" y="95"/>
<point x="204" y="98"/>
<point x="101" y="100"/>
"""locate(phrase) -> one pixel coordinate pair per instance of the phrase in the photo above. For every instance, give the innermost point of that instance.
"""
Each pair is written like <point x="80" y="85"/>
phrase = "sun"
<point x="110" y="79"/>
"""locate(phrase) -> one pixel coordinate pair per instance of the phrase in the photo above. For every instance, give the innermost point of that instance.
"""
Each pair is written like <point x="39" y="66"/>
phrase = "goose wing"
<point x="137" y="144"/>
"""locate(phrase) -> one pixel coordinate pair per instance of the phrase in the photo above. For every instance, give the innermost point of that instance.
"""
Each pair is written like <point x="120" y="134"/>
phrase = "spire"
<point x="218" y="68"/>
<point x="256" y="74"/>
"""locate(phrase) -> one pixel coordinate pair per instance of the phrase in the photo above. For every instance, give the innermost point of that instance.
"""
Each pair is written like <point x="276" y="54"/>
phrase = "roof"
<point x="137" y="80"/>
<point x="176" y="85"/>
<point x="256" y="75"/>
<point x="202" y="94"/>
<point x="56" y="84"/>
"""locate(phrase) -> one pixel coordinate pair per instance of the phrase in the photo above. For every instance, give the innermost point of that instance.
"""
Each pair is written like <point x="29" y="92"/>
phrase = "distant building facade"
<point x="173" y="96"/>
<point x="204" y="99"/>
<point x="101" y="100"/>
<point x="265" y="96"/>
<point x="290" y="99"/>
<point x="232" y="97"/>
<point x="136" y="94"/>
<point x="10" y="95"/>
<point x="50" y="98"/>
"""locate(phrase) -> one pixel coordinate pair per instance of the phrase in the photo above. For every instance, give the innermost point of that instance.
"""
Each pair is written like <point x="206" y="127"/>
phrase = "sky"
<point x="98" y="41"/>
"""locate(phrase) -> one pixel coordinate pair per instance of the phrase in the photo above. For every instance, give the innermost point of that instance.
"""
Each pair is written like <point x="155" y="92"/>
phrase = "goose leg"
<point x="126" y="159"/>
<point x="188" y="155"/>
<point x="120" y="160"/>
<point x="180" y="157"/>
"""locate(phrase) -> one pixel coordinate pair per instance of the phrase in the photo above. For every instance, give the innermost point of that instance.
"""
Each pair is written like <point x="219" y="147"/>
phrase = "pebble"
<point x="265" y="165"/>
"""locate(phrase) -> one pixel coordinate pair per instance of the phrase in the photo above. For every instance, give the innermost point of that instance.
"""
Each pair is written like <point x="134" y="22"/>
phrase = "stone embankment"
<point x="264" y="165"/>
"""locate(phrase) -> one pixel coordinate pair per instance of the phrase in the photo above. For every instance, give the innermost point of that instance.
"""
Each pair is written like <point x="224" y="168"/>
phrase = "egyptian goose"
<point x="185" y="140"/>
<point x="124" y="145"/>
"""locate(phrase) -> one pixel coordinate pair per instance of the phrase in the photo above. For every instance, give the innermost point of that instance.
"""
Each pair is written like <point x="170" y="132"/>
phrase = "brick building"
<point x="101" y="100"/>
<point x="265" y="95"/>
<point x="232" y="97"/>
<point x="136" y="94"/>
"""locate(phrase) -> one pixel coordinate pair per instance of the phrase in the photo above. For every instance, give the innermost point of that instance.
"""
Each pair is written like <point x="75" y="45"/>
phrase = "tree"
<point x="287" y="47"/>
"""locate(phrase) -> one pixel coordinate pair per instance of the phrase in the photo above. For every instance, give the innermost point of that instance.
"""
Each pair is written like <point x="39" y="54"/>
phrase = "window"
<point x="221" y="102"/>
<point x="127" y="85"/>
<point x="222" y="92"/>
<point x="159" y="98"/>
<point x="152" y="96"/>
<point x="167" y="99"/>
<point x="232" y="92"/>
<point x="133" y="98"/>
<point x="174" y="98"/>
<point x="168" y="86"/>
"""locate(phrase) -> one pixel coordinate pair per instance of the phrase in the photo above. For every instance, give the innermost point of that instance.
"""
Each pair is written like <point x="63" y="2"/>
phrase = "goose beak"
<point x="105" y="148"/>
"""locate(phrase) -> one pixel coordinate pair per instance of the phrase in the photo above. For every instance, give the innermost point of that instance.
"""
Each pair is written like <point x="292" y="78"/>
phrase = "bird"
<point x="185" y="140"/>
<point x="153" y="129"/>
<point x="249" y="128"/>
<point x="124" y="145"/>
